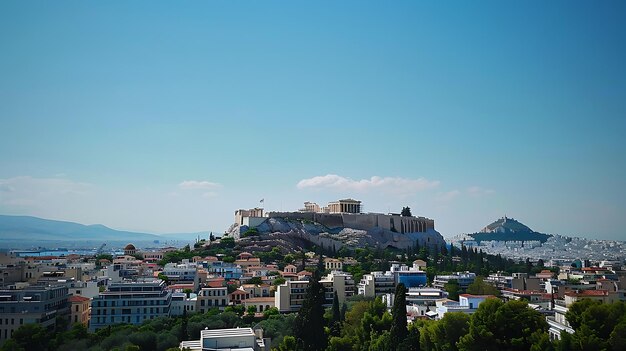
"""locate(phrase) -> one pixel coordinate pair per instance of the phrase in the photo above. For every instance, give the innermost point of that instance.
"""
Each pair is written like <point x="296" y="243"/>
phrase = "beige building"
<point x="209" y="298"/>
<point x="241" y="215"/>
<point x="153" y="255"/>
<point x="344" y="206"/>
<point x="80" y="310"/>
<point x="333" y="264"/>
<point x="311" y="207"/>
<point x="261" y="304"/>
<point x="130" y="249"/>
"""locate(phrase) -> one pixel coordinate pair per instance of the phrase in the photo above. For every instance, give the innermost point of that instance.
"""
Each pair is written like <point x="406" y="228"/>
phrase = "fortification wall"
<point x="363" y="221"/>
<point x="330" y="220"/>
<point x="360" y="221"/>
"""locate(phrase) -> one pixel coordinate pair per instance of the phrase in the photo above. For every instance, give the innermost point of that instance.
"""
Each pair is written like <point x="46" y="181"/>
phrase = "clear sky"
<point x="168" y="116"/>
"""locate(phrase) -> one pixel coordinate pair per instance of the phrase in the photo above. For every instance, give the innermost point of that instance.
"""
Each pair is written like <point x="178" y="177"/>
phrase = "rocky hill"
<point x="508" y="229"/>
<point x="293" y="234"/>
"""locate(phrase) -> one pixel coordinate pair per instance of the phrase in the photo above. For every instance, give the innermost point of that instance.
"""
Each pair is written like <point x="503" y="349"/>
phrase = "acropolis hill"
<point x="338" y="224"/>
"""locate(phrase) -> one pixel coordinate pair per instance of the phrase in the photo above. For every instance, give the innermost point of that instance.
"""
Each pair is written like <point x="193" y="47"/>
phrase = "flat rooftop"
<point x="226" y="333"/>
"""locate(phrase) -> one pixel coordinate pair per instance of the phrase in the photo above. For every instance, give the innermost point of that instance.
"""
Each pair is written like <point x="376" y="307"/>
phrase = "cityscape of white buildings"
<point x="133" y="287"/>
<point x="557" y="247"/>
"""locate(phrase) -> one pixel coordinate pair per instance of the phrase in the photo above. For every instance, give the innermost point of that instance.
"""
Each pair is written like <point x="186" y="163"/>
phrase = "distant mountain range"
<point x="29" y="228"/>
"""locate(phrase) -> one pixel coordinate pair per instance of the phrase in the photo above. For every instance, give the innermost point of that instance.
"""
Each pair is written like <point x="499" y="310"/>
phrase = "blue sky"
<point x="162" y="117"/>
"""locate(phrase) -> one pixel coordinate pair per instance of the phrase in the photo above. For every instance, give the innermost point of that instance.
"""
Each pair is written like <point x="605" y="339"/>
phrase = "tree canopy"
<point x="406" y="212"/>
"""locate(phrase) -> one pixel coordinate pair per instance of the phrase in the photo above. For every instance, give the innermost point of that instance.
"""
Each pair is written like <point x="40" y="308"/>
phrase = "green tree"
<point x="453" y="289"/>
<point x="597" y="325"/>
<point x="255" y="280"/>
<point x="398" y="330"/>
<point x="412" y="340"/>
<point x="145" y="340"/>
<point x="288" y="344"/>
<point x="279" y="281"/>
<point x="406" y="212"/>
<point x="272" y="311"/>
<point x="184" y="325"/>
<point x="309" y="324"/>
<point x="340" y="344"/>
<point x="575" y="312"/>
<point x="480" y="287"/>
<point x="335" y="322"/>
<point x="503" y="326"/>
<point x="445" y="333"/>
<point x="30" y="337"/>
<point x="163" y="277"/>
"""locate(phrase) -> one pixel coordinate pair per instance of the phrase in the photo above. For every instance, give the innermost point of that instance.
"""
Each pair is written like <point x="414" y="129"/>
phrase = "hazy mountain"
<point x="34" y="228"/>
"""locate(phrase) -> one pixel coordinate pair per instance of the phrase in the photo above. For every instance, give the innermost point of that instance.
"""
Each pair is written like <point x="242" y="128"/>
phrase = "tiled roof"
<point x="77" y="298"/>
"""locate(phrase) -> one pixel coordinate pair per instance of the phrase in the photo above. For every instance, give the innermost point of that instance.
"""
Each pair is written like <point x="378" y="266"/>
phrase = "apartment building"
<point x="290" y="295"/>
<point x="130" y="302"/>
<point x="22" y="304"/>
<point x="209" y="298"/>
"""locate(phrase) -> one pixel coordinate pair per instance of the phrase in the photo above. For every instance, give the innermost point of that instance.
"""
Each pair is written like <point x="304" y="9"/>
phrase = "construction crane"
<point x="99" y="251"/>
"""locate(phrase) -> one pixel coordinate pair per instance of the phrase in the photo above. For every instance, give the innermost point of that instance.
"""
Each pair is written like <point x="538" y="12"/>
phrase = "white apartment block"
<point x="290" y="295"/>
<point x="227" y="339"/>
<point x="377" y="284"/>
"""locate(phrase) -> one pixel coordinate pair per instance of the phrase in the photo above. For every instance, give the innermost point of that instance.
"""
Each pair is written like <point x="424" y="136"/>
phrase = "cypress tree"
<point x="335" y="323"/>
<point x="344" y="309"/>
<point x="309" y="324"/>
<point x="183" y="334"/>
<point x="398" y="313"/>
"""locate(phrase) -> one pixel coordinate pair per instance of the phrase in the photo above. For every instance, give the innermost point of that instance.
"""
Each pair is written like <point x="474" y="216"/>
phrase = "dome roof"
<point x="129" y="247"/>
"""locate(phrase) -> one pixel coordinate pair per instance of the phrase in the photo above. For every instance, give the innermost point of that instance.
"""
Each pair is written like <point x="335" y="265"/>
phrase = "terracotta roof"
<point x="593" y="269"/>
<point x="522" y="292"/>
<point x="260" y="299"/>
<point x="588" y="293"/>
<point x="180" y="286"/>
<point x="42" y="258"/>
<point x="470" y="295"/>
<point x="239" y="292"/>
<point x="215" y="284"/>
<point x="77" y="298"/>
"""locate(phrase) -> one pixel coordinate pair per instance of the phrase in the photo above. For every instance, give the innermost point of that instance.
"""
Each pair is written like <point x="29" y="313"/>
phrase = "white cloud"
<point x="478" y="191"/>
<point x="198" y="185"/>
<point x="27" y="192"/>
<point x="28" y="184"/>
<point x="448" y="196"/>
<point x="386" y="184"/>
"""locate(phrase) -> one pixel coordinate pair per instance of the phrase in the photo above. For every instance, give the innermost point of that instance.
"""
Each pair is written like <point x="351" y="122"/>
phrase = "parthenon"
<point x="344" y="206"/>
